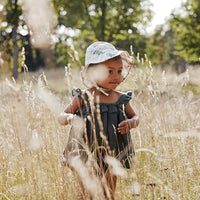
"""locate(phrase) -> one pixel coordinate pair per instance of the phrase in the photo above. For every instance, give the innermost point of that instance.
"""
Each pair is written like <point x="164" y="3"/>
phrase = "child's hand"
<point x="128" y="124"/>
<point x="66" y="118"/>
<point x="124" y="126"/>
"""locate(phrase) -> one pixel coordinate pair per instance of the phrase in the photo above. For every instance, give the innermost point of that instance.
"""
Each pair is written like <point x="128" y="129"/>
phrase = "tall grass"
<point x="167" y="161"/>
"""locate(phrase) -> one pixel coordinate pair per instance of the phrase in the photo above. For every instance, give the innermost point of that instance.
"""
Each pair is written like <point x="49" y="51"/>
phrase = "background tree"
<point x="83" y="22"/>
<point x="113" y="21"/>
<point x="186" y="27"/>
<point x="12" y="40"/>
<point x="162" y="52"/>
<point x="12" y="17"/>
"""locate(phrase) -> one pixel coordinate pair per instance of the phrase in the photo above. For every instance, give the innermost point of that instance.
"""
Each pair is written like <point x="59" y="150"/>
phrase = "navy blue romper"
<point x="117" y="145"/>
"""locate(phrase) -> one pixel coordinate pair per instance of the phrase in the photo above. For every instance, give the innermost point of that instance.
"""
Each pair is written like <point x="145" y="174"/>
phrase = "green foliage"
<point x="186" y="27"/>
<point x="161" y="48"/>
<point x="179" y="43"/>
<point x="112" y="21"/>
<point x="11" y="15"/>
<point x="61" y="50"/>
<point x="13" y="11"/>
<point x="115" y="21"/>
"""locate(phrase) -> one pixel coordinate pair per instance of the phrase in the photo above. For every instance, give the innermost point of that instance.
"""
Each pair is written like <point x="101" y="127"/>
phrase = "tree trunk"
<point x="39" y="59"/>
<point x="29" y="55"/>
<point x="103" y="20"/>
<point x="15" y="51"/>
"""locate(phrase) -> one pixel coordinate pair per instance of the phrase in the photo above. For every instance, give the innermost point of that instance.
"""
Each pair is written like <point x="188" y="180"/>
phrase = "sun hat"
<point x="99" y="52"/>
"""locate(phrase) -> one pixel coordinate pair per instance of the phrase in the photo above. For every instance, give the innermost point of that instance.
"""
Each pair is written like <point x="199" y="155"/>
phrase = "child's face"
<point x="108" y="74"/>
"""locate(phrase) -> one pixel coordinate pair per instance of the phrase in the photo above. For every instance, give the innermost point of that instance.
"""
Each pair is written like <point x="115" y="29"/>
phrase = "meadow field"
<point x="167" y="141"/>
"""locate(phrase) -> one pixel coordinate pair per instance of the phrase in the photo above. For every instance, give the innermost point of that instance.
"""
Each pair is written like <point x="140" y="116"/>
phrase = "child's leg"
<point x="111" y="183"/>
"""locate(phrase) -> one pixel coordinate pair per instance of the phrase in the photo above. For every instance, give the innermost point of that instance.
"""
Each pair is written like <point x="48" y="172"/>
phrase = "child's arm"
<point x="68" y="115"/>
<point x="131" y="122"/>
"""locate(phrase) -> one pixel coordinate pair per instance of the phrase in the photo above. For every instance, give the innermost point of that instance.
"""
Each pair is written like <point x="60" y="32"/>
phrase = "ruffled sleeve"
<point x="76" y="91"/>
<point x="125" y="98"/>
<point x="81" y="95"/>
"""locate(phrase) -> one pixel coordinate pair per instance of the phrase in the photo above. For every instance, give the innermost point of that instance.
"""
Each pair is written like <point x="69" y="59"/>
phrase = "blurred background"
<point x="49" y="38"/>
<point x="57" y="32"/>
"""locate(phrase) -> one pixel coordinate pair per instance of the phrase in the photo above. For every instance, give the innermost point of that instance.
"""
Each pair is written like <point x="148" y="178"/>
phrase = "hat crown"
<point x="99" y="52"/>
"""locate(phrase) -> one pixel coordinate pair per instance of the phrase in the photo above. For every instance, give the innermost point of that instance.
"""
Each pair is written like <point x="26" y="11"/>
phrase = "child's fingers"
<point x="70" y="118"/>
<point x="123" y="130"/>
<point x="122" y="124"/>
<point x="123" y="127"/>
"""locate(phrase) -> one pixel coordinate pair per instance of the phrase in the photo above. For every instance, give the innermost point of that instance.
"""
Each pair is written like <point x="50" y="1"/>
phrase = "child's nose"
<point x="116" y="75"/>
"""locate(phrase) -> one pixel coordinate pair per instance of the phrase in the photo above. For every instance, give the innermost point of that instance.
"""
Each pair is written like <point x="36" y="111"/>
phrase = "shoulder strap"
<point x="125" y="98"/>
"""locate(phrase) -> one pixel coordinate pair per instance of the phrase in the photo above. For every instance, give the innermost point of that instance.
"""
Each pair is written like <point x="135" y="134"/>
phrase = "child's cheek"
<point x="101" y="73"/>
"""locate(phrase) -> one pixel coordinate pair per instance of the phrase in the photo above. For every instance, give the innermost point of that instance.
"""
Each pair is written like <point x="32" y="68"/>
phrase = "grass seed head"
<point x="116" y="166"/>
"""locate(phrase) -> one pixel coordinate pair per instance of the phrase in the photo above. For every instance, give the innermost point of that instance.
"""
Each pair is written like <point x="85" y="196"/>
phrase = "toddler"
<point x="107" y="114"/>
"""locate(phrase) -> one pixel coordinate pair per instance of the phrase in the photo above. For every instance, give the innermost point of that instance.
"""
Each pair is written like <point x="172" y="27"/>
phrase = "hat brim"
<point x="101" y="59"/>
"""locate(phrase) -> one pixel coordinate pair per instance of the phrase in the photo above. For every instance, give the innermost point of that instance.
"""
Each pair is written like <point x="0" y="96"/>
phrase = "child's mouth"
<point x="114" y="83"/>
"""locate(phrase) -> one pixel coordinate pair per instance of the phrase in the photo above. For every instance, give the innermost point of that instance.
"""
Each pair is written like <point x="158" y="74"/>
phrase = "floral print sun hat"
<point x="99" y="52"/>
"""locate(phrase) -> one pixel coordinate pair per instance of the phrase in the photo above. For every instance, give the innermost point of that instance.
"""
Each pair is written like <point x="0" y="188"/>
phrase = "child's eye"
<point x="110" y="71"/>
<point x="119" y="71"/>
